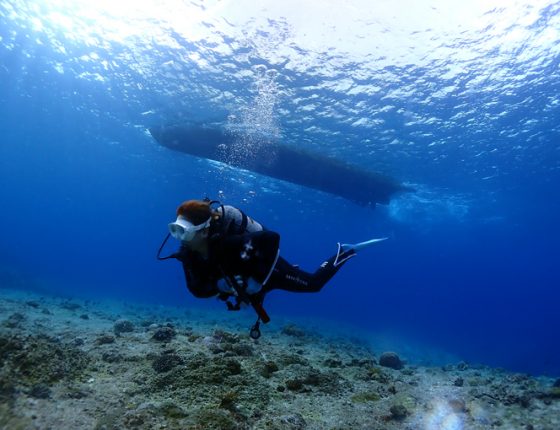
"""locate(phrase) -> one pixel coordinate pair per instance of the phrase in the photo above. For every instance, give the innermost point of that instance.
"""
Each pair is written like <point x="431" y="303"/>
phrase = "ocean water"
<point x="460" y="100"/>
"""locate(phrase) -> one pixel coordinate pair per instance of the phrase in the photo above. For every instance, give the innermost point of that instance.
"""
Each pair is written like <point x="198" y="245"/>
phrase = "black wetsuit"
<point x="288" y="277"/>
<point x="235" y="251"/>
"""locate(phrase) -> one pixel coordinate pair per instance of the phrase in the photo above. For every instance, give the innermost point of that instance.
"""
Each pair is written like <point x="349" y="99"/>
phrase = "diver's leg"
<point x="290" y="278"/>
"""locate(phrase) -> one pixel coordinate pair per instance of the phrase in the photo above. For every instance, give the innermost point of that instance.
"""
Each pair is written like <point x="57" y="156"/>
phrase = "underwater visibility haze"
<point x="457" y="101"/>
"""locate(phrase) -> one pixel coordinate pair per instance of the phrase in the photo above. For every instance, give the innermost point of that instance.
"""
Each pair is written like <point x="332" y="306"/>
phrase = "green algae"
<point x="172" y="411"/>
<point x="214" y="380"/>
<point x="294" y="384"/>
<point x="199" y="369"/>
<point x="228" y="400"/>
<point x="7" y="388"/>
<point x="268" y="368"/>
<point x="40" y="360"/>
<point x="11" y="421"/>
<point x="365" y="397"/>
<point x="377" y="374"/>
<point x="213" y="419"/>
<point x="291" y="359"/>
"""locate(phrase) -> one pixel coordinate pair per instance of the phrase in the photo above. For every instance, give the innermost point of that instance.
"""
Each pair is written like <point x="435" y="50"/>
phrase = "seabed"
<point x="77" y="364"/>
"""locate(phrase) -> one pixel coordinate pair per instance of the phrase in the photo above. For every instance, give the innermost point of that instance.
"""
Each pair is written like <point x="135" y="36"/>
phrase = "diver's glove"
<point x="225" y="288"/>
<point x="250" y="286"/>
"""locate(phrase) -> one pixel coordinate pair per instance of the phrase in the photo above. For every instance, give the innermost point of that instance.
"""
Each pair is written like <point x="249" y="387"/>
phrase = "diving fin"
<point x="361" y="245"/>
<point x="348" y="250"/>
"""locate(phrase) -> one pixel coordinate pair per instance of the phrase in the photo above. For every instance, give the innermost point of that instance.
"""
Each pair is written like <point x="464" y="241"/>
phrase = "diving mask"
<point x="184" y="230"/>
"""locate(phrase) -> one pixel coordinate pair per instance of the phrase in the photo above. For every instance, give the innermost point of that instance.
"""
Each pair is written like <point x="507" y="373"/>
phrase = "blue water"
<point x="460" y="101"/>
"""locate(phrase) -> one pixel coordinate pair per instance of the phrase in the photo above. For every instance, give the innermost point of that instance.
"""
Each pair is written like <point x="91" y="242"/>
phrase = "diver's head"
<point x="193" y="220"/>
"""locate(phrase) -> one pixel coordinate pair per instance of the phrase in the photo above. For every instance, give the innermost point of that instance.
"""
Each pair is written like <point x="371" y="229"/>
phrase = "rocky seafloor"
<point x="75" y="364"/>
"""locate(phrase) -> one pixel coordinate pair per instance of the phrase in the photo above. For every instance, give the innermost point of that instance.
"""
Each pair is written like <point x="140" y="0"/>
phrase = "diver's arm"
<point x="200" y="287"/>
<point x="197" y="274"/>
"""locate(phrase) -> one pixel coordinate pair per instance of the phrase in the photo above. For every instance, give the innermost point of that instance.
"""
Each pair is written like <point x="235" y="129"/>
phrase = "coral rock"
<point x="123" y="326"/>
<point x="166" y="362"/>
<point x="390" y="359"/>
<point x="164" y="334"/>
<point x="294" y="384"/>
<point x="269" y="368"/>
<point x="40" y="391"/>
<point x="105" y="339"/>
<point x="398" y="412"/>
<point x="14" y="320"/>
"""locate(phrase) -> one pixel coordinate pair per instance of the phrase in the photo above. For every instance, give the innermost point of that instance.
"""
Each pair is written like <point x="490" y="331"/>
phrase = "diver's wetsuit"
<point x="239" y="246"/>
<point x="226" y="230"/>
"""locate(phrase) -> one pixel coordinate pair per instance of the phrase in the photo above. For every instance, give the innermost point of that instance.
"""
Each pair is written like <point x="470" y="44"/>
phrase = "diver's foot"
<point x="343" y="255"/>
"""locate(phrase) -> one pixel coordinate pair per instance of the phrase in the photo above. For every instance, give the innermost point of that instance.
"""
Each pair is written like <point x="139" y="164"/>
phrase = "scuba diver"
<point x="227" y="254"/>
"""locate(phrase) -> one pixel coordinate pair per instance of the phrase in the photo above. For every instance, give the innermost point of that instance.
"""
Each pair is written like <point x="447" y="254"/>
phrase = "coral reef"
<point x="179" y="371"/>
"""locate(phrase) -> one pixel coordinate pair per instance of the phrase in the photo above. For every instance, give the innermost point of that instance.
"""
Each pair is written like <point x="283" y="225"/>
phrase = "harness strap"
<point x="244" y="222"/>
<point x="272" y="267"/>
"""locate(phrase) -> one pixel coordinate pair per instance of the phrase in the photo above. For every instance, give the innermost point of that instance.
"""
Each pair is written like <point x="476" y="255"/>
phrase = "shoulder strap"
<point x="217" y="222"/>
<point x="244" y="222"/>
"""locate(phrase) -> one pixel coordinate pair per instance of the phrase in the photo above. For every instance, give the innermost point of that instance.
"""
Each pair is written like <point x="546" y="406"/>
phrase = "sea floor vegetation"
<point x="77" y="364"/>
